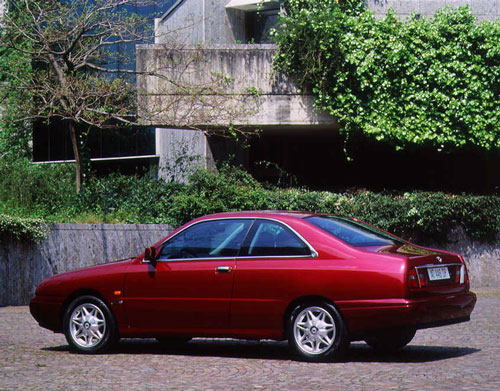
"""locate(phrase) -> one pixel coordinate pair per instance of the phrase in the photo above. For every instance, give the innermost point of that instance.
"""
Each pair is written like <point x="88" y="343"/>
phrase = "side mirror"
<point x="150" y="255"/>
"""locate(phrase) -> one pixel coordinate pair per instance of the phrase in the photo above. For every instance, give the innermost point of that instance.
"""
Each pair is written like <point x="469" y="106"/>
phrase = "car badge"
<point x="439" y="259"/>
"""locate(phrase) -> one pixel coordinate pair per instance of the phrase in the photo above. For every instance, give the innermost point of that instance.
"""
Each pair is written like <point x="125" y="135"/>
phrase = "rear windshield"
<point x="352" y="232"/>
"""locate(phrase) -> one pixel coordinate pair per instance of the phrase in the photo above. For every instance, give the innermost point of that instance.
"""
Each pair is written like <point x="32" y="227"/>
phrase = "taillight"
<point x="412" y="279"/>
<point x="416" y="278"/>
<point x="463" y="275"/>
<point x="460" y="274"/>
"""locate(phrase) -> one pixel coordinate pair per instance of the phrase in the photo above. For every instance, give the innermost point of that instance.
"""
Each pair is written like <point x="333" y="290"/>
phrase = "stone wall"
<point x="482" y="259"/>
<point x="72" y="246"/>
<point x="68" y="247"/>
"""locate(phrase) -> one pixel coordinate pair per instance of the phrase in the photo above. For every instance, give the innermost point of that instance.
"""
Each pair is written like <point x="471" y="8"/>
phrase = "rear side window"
<point x="208" y="239"/>
<point x="270" y="238"/>
<point x="352" y="232"/>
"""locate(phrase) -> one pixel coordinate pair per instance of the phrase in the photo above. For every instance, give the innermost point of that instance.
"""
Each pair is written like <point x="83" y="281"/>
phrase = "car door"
<point x="189" y="289"/>
<point x="272" y="264"/>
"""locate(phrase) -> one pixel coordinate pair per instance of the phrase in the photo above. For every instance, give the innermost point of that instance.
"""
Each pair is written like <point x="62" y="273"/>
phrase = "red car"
<point x="319" y="281"/>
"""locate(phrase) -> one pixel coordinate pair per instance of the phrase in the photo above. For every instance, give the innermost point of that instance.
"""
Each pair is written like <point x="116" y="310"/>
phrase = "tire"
<point x="89" y="325"/>
<point x="316" y="331"/>
<point x="390" y="340"/>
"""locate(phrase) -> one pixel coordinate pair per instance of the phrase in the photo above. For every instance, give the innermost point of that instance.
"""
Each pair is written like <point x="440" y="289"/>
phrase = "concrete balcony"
<point x="218" y="86"/>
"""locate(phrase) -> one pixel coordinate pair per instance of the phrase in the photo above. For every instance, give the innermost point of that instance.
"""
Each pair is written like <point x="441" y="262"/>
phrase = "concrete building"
<point x="197" y="39"/>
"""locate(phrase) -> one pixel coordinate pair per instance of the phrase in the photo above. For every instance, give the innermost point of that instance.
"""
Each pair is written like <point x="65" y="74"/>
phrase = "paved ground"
<point x="458" y="357"/>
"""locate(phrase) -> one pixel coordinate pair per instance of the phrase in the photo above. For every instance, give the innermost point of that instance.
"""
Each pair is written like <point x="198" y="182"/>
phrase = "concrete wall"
<point x="68" y="247"/>
<point x="223" y="78"/>
<point x="483" y="9"/>
<point x="216" y="91"/>
<point x="72" y="246"/>
<point x="482" y="259"/>
<point x="201" y="21"/>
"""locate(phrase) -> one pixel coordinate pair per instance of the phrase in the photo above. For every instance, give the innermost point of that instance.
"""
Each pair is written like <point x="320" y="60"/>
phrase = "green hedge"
<point x="426" y="81"/>
<point x="32" y="230"/>
<point x="47" y="193"/>
<point x="414" y="215"/>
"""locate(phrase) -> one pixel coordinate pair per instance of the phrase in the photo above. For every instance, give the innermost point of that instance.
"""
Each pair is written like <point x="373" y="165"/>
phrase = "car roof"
<point x="262" y="213"/>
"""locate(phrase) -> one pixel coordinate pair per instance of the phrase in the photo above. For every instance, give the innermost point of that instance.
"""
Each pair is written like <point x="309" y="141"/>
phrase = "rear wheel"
<point x="390" y="340"/>
<point x="316" y="331"/>
<point x="89" y="326"/>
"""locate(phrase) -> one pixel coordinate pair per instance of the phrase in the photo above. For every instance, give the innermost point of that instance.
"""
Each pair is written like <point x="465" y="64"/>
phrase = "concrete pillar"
<point x="181" y="151"/>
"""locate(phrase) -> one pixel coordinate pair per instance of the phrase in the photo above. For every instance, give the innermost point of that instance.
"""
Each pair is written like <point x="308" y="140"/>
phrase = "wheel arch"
<point x="78" y="293"/>
<point x="303" y="300"/>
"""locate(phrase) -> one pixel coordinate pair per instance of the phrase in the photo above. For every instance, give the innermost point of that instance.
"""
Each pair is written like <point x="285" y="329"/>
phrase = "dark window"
<point x="51" y="141"/>
<point x="258" y="25"/>
<point x="270" y="238"/>
<point x="209" y="239"/>
<point x="352" y="232"/>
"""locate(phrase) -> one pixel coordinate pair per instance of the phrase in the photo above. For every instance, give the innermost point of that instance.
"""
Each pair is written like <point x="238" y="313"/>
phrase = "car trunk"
<point x="429" y="270"/>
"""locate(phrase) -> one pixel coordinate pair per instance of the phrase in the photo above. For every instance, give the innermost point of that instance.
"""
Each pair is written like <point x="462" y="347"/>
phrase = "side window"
<point x="274" y="239"/>
<point x="208" y="239"/>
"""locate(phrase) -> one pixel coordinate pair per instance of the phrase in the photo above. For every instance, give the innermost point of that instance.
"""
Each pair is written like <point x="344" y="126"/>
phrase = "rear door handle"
<point x="223" y="269"/>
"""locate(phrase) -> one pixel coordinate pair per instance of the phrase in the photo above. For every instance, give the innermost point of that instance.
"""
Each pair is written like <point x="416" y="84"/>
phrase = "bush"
<point x="47" y="192"/>
<point x="417" y="215"/>
<point x="40" y="191"/>
<point x="32" y="230"/>
<point x="426" y="81"/>
<point x="128" y="199"/>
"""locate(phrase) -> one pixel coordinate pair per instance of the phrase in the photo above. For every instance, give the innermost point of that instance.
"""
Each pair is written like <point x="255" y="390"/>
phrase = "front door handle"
<point x="223" y="269"/>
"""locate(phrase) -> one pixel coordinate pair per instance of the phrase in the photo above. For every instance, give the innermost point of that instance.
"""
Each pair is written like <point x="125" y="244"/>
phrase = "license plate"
<point x="438" y="273"/>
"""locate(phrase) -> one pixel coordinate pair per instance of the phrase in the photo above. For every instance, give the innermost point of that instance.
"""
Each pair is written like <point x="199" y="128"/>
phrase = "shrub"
<point x="32" y="230"/>
<point x="47" y="192"/>
<point x="417" y="215"/>
<point x="425" y="81"/>
<point x="36" y="190"/>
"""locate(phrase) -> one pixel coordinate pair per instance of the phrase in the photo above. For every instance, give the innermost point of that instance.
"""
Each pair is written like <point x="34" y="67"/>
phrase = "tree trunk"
<point x="76" y="152"/>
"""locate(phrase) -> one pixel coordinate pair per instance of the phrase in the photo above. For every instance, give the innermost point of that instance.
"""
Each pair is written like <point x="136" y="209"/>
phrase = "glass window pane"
<point x="209" y="239"/>
<point x="352" y="232"/>
<point x="274" y="239"/>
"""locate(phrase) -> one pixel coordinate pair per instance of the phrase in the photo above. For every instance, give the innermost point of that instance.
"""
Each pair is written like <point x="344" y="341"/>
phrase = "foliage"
<point x="77" y="73"/>
<point x="14" y="134"/>
<point x="128" y="199"/>
<point x="432" y="82"/>
<point x="427" y="216"/>
<point x="38" y="191"/>
<point x="46" y="192"/>
<point x="33" y="230"/>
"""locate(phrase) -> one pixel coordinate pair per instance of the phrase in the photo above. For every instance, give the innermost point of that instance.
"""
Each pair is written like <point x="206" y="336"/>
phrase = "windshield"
<point x="352" y="232"/>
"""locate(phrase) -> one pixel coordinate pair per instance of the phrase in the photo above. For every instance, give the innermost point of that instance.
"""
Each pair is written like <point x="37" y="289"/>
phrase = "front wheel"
<point x="89" y="326"/>
<point x="316" y="331"/>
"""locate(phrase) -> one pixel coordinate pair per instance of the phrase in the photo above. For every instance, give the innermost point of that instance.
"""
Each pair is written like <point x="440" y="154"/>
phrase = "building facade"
<point x="197" y="39"/>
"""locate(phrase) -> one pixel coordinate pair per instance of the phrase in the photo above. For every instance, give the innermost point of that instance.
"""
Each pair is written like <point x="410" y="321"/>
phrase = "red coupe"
<point x="318" y="280"/>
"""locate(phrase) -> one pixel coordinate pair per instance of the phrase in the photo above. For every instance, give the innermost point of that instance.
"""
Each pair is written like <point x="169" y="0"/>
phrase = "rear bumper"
<point x="47" y="312"/>
<point x="425" y="313"/>
<point x="432" y="311"/>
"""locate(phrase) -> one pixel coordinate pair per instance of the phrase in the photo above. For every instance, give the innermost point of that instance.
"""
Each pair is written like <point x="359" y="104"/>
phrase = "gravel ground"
<point x="458" y="357"/>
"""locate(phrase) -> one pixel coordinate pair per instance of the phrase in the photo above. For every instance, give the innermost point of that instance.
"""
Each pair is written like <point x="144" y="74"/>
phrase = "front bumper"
<point x="47" y="312"/>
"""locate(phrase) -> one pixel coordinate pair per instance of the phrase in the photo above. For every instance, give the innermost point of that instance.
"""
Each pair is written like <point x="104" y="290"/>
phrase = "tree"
<point x="77" y="74"/>
<point x="431" y="82"/>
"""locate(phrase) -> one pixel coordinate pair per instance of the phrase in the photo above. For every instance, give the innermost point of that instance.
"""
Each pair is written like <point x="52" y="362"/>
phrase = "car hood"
<point x="57" y="284"/>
